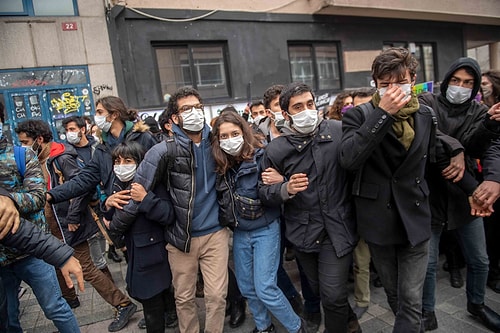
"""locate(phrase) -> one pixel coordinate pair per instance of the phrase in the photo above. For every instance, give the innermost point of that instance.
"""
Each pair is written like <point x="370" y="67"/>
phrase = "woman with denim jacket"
<point x="237" y="154"/>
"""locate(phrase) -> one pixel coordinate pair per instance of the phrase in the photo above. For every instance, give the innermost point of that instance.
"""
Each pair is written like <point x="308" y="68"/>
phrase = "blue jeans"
<point x="256" y="258"/>
<point x="401" y="269"/>
<point x="41" y="277"/>
<point x="473" y="243"/>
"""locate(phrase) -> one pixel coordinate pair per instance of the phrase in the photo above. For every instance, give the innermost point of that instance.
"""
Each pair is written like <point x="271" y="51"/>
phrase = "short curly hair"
<point x="172" y="107"/>
<point x="394" y="61"/>
<point x="34" y="128"/>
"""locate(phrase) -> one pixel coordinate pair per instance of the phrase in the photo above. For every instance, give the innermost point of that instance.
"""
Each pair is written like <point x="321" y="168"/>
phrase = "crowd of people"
<point x="375" y="184"/>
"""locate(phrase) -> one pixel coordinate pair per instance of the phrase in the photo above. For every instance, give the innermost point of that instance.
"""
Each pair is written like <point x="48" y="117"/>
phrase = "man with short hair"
<point x="73" y="217"/>
<point x="195" y="239"/>
<point x="316" y="199"/>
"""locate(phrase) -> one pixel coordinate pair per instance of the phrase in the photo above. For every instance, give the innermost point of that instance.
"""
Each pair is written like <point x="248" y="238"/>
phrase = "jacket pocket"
<point x="149" y="250"/>
<point x="369" y="191"/>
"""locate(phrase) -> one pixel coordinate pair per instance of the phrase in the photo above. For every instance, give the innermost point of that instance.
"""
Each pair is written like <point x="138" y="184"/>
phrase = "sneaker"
<point x="73" y="303"/>
<point x="313" y="320"/>
<point x="122" y="316"/>
<point x="20" y="292"/>
<point x="267" y="330"/>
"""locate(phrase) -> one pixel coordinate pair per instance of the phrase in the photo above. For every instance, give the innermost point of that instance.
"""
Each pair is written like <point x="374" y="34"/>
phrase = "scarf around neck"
<point x="404" y="125"/>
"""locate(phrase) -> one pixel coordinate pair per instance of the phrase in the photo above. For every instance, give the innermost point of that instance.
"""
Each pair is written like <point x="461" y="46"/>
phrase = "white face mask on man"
<point x="457" y="94"/>
<point x="193" y="120"/>
<point x="305" y="121"/>
<point x="102" y="123"/>
<point x="406" y="87"/>
<point x="73" y="137"/>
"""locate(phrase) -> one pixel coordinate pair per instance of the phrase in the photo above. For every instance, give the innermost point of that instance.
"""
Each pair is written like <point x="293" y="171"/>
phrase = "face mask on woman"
<point x="125" y="172"/>
<point x="232" y="146"/>
<point x="305" y="121"/>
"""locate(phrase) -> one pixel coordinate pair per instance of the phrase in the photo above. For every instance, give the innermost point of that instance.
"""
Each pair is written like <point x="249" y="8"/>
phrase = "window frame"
<point x="194" y="67"/>
<point x="337" y="69"/>
<point x="422" y="72"/>
<point x="29" y="10"/>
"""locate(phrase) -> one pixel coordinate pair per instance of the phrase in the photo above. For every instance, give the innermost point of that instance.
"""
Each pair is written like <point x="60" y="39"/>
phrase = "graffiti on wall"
<point x="97" y="90"/>
<point x="67" y="102"/>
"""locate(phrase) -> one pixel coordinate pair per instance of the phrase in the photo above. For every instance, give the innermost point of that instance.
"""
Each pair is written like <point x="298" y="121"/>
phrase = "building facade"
<point x="57" y="59"/>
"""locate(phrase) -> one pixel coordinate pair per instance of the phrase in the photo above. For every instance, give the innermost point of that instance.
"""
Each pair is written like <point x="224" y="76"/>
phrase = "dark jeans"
<point x="284" y="282"/>
<point x="155" y="309"/>
<point x="327" y="275"/>
<point x="3" y="308"/>
<point x="402" y="269"/>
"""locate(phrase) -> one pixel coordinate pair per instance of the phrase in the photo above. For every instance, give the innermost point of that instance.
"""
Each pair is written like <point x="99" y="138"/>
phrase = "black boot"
<point x="429" y="320"/>
<point x="113" y="255"/>
<point x="238" y="315"/>
<point x="487" y="316"/>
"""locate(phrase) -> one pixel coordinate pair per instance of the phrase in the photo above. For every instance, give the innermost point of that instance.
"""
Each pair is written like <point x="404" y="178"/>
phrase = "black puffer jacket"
<point x="325" y="208"/>
<point x="468" y="123"/>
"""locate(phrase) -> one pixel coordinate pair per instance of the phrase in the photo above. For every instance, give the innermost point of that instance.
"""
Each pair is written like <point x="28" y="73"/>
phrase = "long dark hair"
<point x="114" y="104"/>
<point x="225" y="161"/>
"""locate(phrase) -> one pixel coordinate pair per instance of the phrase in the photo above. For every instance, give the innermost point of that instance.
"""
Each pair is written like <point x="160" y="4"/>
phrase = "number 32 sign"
<point x="66" y="26"/>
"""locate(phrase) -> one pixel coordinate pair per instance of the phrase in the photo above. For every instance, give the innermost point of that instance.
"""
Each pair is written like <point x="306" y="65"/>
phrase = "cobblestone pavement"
<point x="94" y="314"/>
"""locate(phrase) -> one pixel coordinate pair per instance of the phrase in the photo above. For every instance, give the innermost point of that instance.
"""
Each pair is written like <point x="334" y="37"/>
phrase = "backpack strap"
<point x="162" y="174"/>
<point x="20" y="157"/>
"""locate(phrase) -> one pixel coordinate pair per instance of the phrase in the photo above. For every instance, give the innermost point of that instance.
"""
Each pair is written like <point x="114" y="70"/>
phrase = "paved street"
<point x="94" y="315"/>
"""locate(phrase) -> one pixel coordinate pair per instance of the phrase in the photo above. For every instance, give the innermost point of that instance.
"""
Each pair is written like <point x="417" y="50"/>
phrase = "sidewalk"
<point x="94" y="315"/>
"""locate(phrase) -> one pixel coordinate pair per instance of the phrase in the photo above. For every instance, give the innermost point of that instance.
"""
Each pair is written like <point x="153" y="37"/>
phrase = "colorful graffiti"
<point x="67" y="103"/>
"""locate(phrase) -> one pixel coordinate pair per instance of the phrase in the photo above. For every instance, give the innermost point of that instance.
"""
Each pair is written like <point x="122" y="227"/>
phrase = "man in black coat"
<point x="475" y="127"/>
<point x="388" y="143"/>
<point x="317" y="207"/>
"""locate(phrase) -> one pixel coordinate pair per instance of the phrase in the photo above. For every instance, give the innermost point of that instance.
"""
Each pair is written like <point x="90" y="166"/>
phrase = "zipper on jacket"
<point x="190" y="203"/>
<point x="232" y="201"/>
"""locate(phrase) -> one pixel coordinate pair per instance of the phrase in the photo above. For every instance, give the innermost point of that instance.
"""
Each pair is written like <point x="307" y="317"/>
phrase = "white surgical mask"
<point x="487" y="91"/>
<point x="102" y="123"/>
<point x="193" y="120"/>
<point x="406" y="87"/>
<point x="258" y="119"/>
<point x="125" y="172"/>
<point x="305" y="121"/>
<point x="279" y="120"/>
<point x="233" y="145"/>
<point x="457" y="94"/>
<point x="73" y="137"/>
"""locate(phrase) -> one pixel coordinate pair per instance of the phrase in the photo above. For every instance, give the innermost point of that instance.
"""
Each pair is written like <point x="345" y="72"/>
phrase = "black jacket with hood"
<point x="468" y="123"/>
<point x="100" y="168"/>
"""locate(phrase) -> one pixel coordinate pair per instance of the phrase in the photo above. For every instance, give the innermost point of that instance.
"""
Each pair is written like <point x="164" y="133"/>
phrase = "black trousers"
<point x="155" y="308"/>
<point x="327" y="275"/>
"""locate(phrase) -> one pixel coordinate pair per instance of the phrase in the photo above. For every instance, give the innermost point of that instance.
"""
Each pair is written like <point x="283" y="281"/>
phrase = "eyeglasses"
<point x="185" y="108"/>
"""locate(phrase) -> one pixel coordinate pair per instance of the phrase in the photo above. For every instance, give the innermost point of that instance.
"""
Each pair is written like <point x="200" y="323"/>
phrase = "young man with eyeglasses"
<point x="195" y="239"/>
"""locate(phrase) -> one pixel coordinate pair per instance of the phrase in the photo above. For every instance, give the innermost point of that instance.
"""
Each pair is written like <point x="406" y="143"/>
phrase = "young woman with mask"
<point x="237" y="154"/>
<point x="148" y="272"/>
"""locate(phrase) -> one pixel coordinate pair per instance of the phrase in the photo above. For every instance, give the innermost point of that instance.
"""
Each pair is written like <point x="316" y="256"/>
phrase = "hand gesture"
<point x="270" y="176"/>
<point x="118" y="199"/>
<point x="137" y="192"/>
<point x="9" y="216"/>
<point x="393" y="100"/>
<point x="494" y="112"/>
<point x="72" y="267"/>
<point x="456" y="168"/>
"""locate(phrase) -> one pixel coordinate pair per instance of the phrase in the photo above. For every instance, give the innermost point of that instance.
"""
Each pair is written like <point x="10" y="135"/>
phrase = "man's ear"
<point x="175" y="119"/>
<point x="285" y="115"/>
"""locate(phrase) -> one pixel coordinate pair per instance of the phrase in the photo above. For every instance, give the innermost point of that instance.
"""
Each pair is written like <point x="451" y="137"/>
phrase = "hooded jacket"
<point x="468" y="123"/>
<point x="324" y="209"/>
<point x="27" y="192"/>
<point x="100" y="168"/>
<point x="62" y="166"/>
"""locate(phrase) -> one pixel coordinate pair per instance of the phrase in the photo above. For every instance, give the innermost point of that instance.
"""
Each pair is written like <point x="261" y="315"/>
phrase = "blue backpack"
<point x="20" y="157"/>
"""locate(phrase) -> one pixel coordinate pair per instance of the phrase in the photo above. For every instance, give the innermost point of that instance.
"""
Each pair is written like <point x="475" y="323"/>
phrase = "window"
<point x="424" y="53"/>
<point x="201" y="66"/>
<point x="317" y="65"/>
<point x="38" y="8"/>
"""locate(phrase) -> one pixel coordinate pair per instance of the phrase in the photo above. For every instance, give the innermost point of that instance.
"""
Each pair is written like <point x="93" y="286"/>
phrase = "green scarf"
<point x="403" y="126"/>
